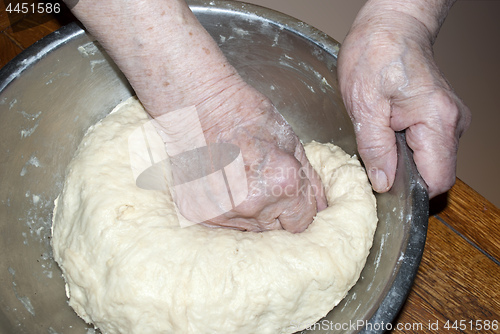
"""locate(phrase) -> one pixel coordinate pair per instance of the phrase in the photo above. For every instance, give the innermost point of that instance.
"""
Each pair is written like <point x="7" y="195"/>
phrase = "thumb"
<point x="316" y="187"/>
<point x="300" y="212"/>
<point x="376" y="142"/>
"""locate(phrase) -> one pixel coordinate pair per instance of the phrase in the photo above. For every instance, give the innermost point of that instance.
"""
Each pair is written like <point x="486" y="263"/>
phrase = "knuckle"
<point x="452" y="114"/>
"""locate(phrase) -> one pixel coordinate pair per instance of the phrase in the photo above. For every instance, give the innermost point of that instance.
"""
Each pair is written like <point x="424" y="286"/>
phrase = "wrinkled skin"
<point x="284" y="190"/>
<point x="390" y="82"/>
<point x="387" y="76"/>
<point x="172" y="63"/>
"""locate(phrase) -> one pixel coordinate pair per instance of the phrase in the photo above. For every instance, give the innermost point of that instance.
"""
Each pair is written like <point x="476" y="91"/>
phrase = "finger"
<point x="435" y="157"/>
<point x="435" y="122"/>
<point x="313" y="177"/>
<point x="376" y="143"/>
<point x="299" y="212"/>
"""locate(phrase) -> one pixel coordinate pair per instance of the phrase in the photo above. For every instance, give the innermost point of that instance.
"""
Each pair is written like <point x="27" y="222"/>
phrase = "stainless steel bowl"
<point x="52" y="92"/>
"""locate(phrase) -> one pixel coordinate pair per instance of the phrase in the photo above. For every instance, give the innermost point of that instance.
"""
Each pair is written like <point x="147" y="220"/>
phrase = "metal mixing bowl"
<point x="52" y="92"/>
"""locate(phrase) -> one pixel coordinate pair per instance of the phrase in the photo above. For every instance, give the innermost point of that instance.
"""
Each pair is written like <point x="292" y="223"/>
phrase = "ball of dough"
<point x="130" y="268"/>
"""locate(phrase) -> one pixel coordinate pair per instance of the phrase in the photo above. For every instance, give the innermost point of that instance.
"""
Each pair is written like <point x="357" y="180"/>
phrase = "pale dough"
<point x="130" y="267"/>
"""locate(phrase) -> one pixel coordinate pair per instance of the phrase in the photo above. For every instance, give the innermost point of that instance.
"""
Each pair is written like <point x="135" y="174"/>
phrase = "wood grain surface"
<point x="458" y="282"/>
<point x="457" y="288"/>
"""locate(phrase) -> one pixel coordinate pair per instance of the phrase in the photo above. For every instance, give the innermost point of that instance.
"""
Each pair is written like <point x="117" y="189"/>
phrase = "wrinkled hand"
<point x="174" y="65"/>
<point x="284" y="192"/>
<point x="390" y="82"/>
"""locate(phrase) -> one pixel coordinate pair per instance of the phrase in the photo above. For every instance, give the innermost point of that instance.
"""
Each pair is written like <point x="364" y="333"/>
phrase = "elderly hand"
<point x="390" y="82"/>
<point x="283" y="189"/>
<point x="174" y="65"/>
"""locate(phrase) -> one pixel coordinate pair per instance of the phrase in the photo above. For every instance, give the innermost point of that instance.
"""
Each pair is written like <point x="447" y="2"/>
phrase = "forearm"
<point x="162" y="49"/>
<point x="426" y="16"/>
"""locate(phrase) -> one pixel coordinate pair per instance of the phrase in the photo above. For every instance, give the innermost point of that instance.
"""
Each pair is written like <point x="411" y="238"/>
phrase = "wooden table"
<point x="458" y="283"/>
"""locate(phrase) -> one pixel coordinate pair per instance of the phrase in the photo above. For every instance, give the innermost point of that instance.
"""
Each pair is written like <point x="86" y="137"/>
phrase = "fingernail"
<point x="378" y="179"/>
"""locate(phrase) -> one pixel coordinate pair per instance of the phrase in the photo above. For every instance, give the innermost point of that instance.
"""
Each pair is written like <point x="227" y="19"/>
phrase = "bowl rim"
<point x="406" y="269"/>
